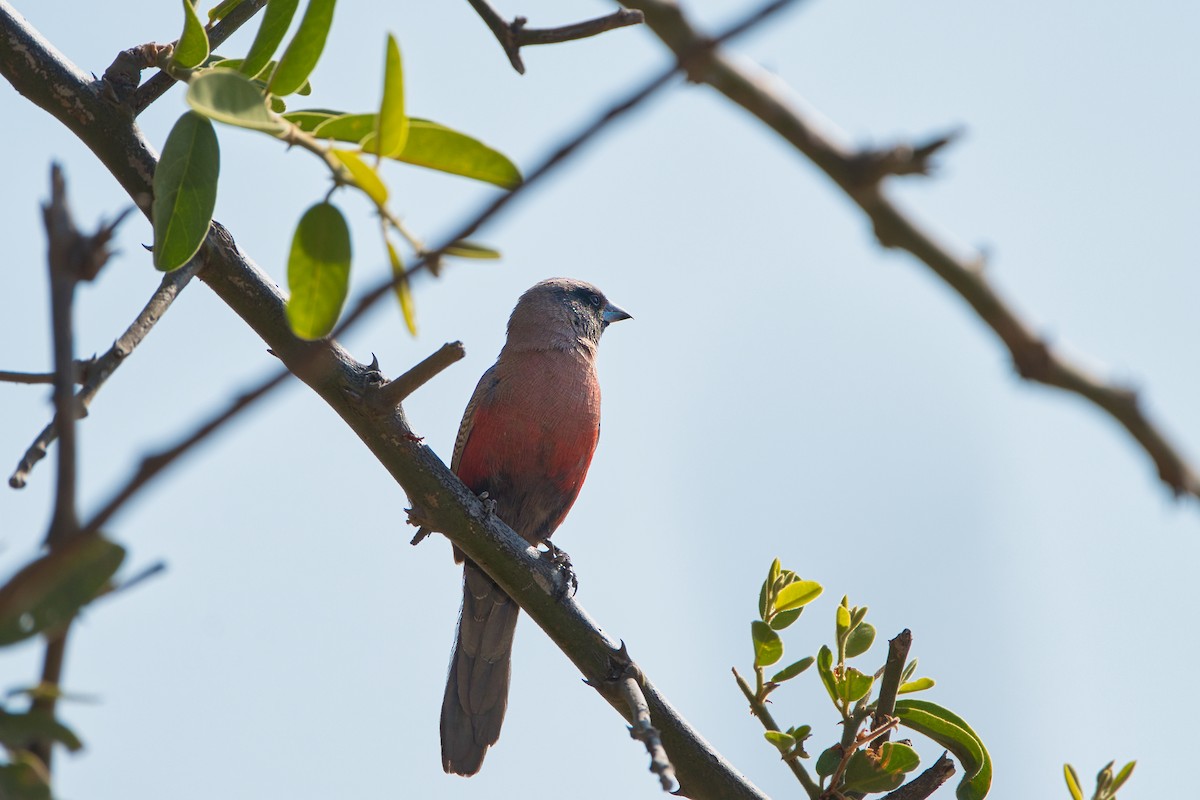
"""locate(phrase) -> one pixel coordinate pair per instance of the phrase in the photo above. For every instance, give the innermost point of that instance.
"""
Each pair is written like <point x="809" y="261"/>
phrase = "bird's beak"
<point x="613" y="313"/>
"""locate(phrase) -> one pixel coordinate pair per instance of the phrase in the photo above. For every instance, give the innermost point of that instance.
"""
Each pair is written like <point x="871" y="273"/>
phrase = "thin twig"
<point x="926" y="783"/>
<point x="394" y="392"/>
<point x="892" y="670"/>
<point x="1034" y="358"/>
<point x="82" y="366"/>
<point x="512" y="36"/>
<point x="160" y="82"/>
<point x="643" y="730"/>
<point x="99" y="370"/>
<point x="760" y="710"/>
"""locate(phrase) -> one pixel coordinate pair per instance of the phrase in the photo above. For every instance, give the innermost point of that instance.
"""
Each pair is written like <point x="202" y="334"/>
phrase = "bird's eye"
<point x="594" y="300"/>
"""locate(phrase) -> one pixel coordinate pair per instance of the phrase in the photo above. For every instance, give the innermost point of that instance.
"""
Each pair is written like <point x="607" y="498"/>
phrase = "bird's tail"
<point x="477" y="686"/>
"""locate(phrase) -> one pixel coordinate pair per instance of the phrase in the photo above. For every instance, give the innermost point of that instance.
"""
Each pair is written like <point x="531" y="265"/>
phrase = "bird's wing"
<point x="486" y="384"/>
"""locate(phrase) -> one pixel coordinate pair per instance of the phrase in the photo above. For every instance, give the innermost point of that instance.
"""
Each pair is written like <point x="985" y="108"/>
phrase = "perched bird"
<point x="526" y="438"/>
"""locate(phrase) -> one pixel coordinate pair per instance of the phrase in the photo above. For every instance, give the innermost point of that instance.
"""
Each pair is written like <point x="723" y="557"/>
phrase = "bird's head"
<point x="561" y="313"/>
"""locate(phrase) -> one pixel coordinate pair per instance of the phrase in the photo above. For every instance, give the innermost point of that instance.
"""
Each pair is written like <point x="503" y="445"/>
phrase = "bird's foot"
<point x="569" y="581"/>
<point x="424" y="526"/>
<point x="489" y="505"/>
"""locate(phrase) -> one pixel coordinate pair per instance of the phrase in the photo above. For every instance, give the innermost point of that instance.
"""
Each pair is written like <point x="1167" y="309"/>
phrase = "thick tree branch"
<point x="893" y="669"/>
<point x="46" y="78"/>
<point x="860" y="174"/>
<point x="926" y="783"/>
<point x="512" y="36"/>
<point x="98" y="370"/>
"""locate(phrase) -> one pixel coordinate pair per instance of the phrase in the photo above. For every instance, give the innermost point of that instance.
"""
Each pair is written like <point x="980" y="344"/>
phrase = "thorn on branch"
<point x="871" y="165"/>
<point x="512" y="36"/>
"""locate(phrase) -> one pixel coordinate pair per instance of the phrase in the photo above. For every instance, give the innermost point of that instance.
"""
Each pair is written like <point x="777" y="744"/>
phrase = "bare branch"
<point x="641" y="728"/>
<point x="760" y="710"/>
<point x="157" y="86"/>
<point x="98" y="370"/>
<point x="512" y="36"/>
<point x="754" y="90"/>
<point x="394" y="392"/>
<point x="926" y="783"/>
<point x="893" y="669"/>
<point x="82" y="367"/>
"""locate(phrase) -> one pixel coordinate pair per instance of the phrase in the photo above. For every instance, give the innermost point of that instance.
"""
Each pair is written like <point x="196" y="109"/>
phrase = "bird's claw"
<point x="489" y="505"/>
<point x="569" y="583"/>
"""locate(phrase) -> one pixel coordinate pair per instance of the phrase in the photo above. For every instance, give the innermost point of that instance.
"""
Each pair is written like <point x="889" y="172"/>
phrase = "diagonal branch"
<point x="512" y="36"/>
<point x="99" y="370"/>
<point x="860" y="175"/>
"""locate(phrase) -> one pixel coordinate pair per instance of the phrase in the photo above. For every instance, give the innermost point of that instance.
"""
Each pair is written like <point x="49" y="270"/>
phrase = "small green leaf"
<point x="860" y="639"/>
<point x="303" y="52"/>
<point x="25" y="778"/>
<point x="222" y="9"/>
<point x="192" y="49"/>
<point x="783" y="742"/>
<point x="437" y="147"/>
<point x="797" y="595"/>
<point x="865" y="773"/>
<point x="274" y="26"/>
<point x="828" y="761"/>
<point x="951" y="732"/>
<point x="792" y="670"/>
<point x="352" y="128"/>
<point x="898" y="757"/>
<point x="1072" y="782"/>
<point x="230" y="97"/>
<point x="467" y="249"/>
<point x="919" y="685"/>
<point x="403" y="290"/>
<point x="393" y="124"/>
<point x="909" y="669"/>
<point x="768" y="647"/>
<point x="781" y="621"/>
<point x="18" y="730"/>
<point x="366" y="178"/>
<point x="825" y="670"/>
<point x="185" y="191"/>
<point x="854" y="685"/>
<point x="843" y="619"/>
<point x="1123" y="776"/>
<point x="307" y="121"/>
<point x="318" y="271"/>
<point x="49" y="591"/>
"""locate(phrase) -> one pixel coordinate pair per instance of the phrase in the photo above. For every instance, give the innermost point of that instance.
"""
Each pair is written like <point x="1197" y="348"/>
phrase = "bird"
<point x="526" y="440"/>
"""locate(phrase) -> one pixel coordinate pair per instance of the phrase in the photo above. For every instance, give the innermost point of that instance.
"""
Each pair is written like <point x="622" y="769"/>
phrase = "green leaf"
<point x="1123" y="776"/>
<point x="828" y="761"/>
<point x="792" y="670"/>
<point x="192" y="49"/>
<point x="403" y="290"/>
<point x="783" y="742"/>
<point x="18" y="730"/>
<point x="185" y="191"/>
<point x="843" y="619"/>
<point x="919" y="685"/>
<point x="768" y="647"/>
<point x="303" y="52"/>
<point x="951" y="732"/>
<point x="222" y="9"/>
<point x="24" y="779"/>
<point x="860" y="639"/>
<point x="276" y="20"/>
<point x="797" y="595"/>
<point x="1072" y="782"/>
<point x="308" y="120"/>
<point x="825" y="670"/>
<point x="230" y="97"/>
<point x="865" y="773"/>
<point x="898" y="757"/>
<point x="352" y="128"/>
<point x="393" y="124"/>
<point x="467" y="249"/>
<point x="782" y="621"/>
<point x="854" y="685"/>
<point x="366" y="178"/>
<point x="437" y="147"/>
<point x="318" y="271"/>
<point x="909" y="669"/>
<point x="49" y="591"/>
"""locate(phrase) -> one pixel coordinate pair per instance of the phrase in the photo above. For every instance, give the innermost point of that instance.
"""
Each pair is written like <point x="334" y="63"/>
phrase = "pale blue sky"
<point x="786" y="389"/>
